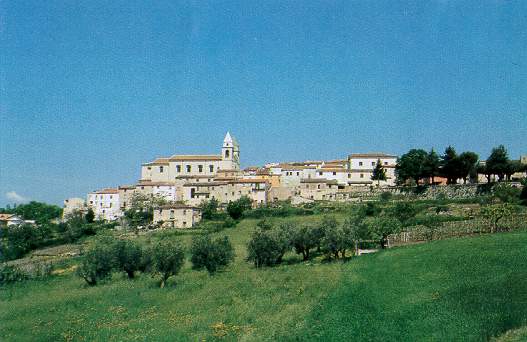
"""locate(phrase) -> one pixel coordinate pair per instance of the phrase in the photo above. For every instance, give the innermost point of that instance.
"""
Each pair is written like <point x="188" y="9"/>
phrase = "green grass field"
<point x="459" y="289"/>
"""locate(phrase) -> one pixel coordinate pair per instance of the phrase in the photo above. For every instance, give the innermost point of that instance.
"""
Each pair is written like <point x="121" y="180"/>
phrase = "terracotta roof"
<point x="194" y="157"/>
<point x="177" y="206"/>
<point x="5" y="217"/>
<point x="158" y="161"/>
<point x="106" y="191"/>
<point x="371" y="155"/>
<point x="205" y="184"/>
<point x="150" y="183"/>
<point x="194" y="177"/>
<point x="126" y="187"/>
<point x="249" y="181"/>
<point x="318" y="180"/>
<point x="332" y="169"/>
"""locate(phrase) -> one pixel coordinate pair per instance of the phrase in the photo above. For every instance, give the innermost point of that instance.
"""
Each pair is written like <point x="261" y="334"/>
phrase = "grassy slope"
<point x="465" y="289"/>
<point x="456" y="289"/>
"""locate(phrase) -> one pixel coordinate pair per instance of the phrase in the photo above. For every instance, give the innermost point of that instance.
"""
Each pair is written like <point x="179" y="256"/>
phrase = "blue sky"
<point x="90" y="90"/>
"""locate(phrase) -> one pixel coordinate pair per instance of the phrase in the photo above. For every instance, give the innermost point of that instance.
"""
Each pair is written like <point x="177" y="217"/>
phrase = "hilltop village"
<point x="184" y="182"/>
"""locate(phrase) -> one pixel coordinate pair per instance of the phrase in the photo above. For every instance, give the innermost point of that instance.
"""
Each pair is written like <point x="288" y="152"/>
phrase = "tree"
<point x="512" y="167"/>
<point x="20" y="239"/>
<point x="494" y="213"/>
<point x="382" y="227"/>
<point x="90" y="216"/>
<point x="403" y="211"/>
<point x="467" y="165"/>
<point x="498" y="162"/>
<point x="128" y="256"/>
<point x="267" y="247"/>
<point x="141" y="212"/>
<point x="40" y="212"/>
<point x="483" y="169"/>
<point x="209" y="209"/>
<point x="410" y="166"/>
<point x="523" y="194"/>
<point x="304" y="238"/>
<point x="431" y="165"/>
<point x="167" y="258"/>
<point x="450" y="165"/>
<point x="356" y="230"/>
<point x="379" y="173"/>
<point x="97" y="263"/>
<point x="211" y="254"/>
<point x="236" y="208"/>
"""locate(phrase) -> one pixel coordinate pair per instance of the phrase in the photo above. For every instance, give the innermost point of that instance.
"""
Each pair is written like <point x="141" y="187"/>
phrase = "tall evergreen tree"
<point x="498" y="162"/>
<point x="432" y="165"/>
<point x="450" y="165"/>
<point x="379" y="173"/>
<point x="468" y="162"/>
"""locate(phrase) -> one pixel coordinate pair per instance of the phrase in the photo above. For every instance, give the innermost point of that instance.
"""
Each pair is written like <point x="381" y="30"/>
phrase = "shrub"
<point x="382" y="227"/>
<point x="98" y="262"/>
<point x="494" y="213"/>
<point x="209" y="209"/>
<point x="10" y="274"/>
<point x="211" y="254"/>
<point x="303" y="239"/>
<point x="268" y="246"/>
<point x="128" y="256"/>
<point x="386" y="196"/>
<point x="506" y="193"/>
<point x="404" y="211"/>
<point x="523" y="194"/>
<point x="167" y="259"/>
<point x="19" y="240"/>
<point x="236" y="208"/>
<point x="229" y="222"/>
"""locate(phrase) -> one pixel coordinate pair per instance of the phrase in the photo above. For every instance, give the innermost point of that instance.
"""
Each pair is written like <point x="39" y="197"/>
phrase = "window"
<point x="149" y="168"/>
<point x="385" y="163"/>
<point x="160" y="169"/>
<point x="111" y="205"/>
<point x="320" y="173"/>
<point x="360" y="163"/>
<point x="318" y="186"/>
<point x="211" y="168"/>
<point x="334" y="173"/>
<point x="298" y="173"/>
<point x="362" y="175"/>
<point x="111" y="196"/>
<point x="142" y="188"/>
<point x="200" y="168"/>
<point x="184" y="212"/>
<point x="171" y="214"/>
<point x="349" y="175"/>
<point x="189" y="168"/>
<point x="372" y="163"/>
<point x="227" y="153"/>
<point x="178" y="168"/>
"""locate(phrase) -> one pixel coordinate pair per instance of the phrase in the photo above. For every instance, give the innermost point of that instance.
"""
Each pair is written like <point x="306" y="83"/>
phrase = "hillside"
<point x="470" y="289"/>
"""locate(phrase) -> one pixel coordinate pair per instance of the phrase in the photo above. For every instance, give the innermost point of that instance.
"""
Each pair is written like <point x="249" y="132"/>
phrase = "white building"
<point x="105" y="204"/>
<point x="361" y="166"/>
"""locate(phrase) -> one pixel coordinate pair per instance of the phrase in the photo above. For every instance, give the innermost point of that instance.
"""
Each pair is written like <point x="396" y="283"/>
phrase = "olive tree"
<point x="128" y="256"/>
<point x="167" y="259"/>
<point x="98" y="262"/>
<point x="211" y="254"/>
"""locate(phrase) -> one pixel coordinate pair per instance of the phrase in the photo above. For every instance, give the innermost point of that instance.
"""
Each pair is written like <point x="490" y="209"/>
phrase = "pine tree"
<point x="379" y="173"/>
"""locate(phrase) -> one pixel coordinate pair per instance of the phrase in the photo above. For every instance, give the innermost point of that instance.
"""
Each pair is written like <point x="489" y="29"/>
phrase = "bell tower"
<point x="230" y="153"/>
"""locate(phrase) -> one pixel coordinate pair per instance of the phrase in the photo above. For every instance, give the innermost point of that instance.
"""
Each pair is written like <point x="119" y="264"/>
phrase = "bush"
<point x="211" y="254"/>
<point x="11" y="274"/>
<point x="382" y="227"/>
<point x="523" y="194"/>
<point x="304" y="238"/>
<point x="404" y="211"/>
<point x="167" y="259"/>
<point x="268" y="246"/>
<point x="506" y="193"/>
<point x="236" y="208"/>
<point x="98" y="262"/>
<point x="20" y="239"/>
<point x="128" y="256"/>
<point x="229" y="222"/>
<point x="386" y="196"/>
<point x="209" y="209"/>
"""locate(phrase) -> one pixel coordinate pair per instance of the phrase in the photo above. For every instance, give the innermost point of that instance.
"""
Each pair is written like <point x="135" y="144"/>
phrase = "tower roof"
<point x="230" y="140"/>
